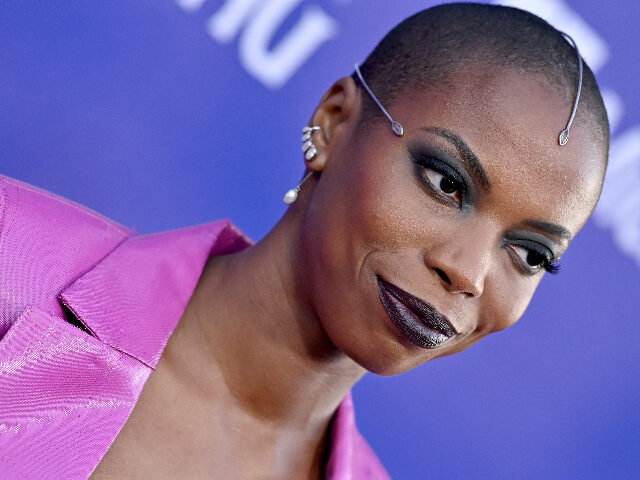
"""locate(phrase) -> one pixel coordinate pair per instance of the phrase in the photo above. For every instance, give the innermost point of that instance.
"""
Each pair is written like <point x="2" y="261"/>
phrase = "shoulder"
<point x="57" y="381"/>
<point x="46" y="241"/>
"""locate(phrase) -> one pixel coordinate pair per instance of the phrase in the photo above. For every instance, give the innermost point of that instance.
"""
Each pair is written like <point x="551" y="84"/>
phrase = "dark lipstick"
<point x="418" y="320"/>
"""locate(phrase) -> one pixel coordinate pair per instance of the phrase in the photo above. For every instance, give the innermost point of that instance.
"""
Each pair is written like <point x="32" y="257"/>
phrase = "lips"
<point x="418" y="320"/>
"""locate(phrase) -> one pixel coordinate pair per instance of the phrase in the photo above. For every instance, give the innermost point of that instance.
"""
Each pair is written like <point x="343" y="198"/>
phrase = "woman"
<point x="444" y="177"/>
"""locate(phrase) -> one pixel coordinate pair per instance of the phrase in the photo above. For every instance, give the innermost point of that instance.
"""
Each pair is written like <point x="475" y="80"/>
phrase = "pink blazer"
<point x="86" y="309"/>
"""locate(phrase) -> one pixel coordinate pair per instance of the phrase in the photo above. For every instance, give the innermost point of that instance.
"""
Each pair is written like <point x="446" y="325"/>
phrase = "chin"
<point x="391" y="358"/>
<point x="389" y="369"/>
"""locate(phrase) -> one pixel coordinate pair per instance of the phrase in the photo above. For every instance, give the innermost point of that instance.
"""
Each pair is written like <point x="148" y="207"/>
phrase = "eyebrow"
<point x="552" y="228"/>
<point x="474" y="164"/>
<point x="469" y="158"/>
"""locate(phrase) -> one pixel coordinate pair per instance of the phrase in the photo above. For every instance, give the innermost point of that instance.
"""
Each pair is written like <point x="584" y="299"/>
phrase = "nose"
<point x="461" y="262"/>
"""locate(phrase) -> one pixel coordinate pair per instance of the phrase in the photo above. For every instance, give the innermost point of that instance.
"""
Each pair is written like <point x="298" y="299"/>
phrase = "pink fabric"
<point x="65" y="393"/>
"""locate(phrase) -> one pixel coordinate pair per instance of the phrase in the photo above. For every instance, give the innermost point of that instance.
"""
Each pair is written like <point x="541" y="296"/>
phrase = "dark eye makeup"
<point x="531" y="256"/>
<point x="447" y="180"/>
<point x="436" y="170"/>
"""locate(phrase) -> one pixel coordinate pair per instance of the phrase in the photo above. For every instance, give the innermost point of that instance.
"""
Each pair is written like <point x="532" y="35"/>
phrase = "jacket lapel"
<point x="350" y="457"/>
<point x="65" y="394"/>
<point x="133" y="299"/>
<point x="63" y="397"/>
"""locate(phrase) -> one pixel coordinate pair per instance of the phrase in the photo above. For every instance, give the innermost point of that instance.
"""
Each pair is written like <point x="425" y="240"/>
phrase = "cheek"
<point x="501" y="307"/>
<point x="355" y="216"/>
<point x="506" y="301"/>
<point x="361" y="203"/>
<point x="351" y="215"/>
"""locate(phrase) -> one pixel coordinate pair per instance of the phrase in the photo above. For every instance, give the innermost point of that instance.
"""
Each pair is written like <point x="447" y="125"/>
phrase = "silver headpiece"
<point x="395" y="126"/>
<point x="564" y="135"/>
<point x="563" y="138"/>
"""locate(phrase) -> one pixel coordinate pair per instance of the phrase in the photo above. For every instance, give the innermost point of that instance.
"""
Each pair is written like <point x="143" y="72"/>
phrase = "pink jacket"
<point x="86" y="308"/>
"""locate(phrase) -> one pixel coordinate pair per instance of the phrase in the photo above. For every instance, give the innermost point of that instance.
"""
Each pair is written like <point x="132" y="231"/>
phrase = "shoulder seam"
<point x="3" y="202"/>
<point x="66" y="201"/>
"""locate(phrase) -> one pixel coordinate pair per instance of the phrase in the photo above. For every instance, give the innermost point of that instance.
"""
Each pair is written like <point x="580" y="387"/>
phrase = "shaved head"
<point x="428" y="47"/>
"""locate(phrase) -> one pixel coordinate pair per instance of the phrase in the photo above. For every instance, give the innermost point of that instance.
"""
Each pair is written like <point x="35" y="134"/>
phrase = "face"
<point x="416" y="247"/>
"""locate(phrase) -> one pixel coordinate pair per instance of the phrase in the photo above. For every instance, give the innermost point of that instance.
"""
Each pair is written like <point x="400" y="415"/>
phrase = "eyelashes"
<point x="553" y="268"/>
<point x="446" y="184"/>
<point x="533" y="261"/>
<point x="441" y="179"/>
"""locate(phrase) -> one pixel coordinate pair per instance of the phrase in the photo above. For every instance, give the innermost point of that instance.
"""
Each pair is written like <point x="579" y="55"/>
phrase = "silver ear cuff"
<point x="308" y="147"/>
<point x="395" y="126"/>
<point x="564" y="135"/>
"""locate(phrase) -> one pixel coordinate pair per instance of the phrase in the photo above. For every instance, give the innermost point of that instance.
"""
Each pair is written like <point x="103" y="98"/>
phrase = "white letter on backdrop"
<point x="190" y="5"/>
<point x="619" y="205"/>
<point x="225" y="23"/>
<point x="274" y="67"/>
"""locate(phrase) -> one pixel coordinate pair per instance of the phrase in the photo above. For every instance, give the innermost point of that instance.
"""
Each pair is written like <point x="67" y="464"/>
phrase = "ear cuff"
<point x="308" y="147"/>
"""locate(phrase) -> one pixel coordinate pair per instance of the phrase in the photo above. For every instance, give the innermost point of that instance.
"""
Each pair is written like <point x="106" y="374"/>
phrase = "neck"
<point x="249" y="327"/>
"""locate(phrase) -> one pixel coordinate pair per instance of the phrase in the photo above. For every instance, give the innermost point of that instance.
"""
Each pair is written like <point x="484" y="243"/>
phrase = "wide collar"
<point x="134" y="297"/>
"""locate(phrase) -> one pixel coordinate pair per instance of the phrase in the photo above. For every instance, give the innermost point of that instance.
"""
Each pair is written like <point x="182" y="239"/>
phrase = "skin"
<point x="252" y="375"/>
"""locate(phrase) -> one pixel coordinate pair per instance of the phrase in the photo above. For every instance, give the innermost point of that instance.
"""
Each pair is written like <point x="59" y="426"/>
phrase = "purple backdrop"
<point x="162" y="114"/>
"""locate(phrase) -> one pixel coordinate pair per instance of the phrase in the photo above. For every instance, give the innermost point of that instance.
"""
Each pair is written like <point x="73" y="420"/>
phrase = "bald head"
<point x="428" y="47"/>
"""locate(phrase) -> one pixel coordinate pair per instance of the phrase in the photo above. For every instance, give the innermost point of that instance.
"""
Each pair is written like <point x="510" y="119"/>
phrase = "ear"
<point x="337" y="114"/>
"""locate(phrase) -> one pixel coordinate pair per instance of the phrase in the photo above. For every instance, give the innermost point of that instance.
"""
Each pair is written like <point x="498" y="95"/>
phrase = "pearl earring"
<point x="292" y="195"/>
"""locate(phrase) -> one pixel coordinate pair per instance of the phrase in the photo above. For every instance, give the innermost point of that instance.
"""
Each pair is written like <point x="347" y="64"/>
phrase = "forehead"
<point x="511" y="121"/>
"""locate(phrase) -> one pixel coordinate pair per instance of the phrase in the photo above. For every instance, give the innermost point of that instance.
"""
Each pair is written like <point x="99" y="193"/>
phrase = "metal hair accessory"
<point x="395" y="126"/>
<point x="563" y="138"/>
<point x="564" y="135"/>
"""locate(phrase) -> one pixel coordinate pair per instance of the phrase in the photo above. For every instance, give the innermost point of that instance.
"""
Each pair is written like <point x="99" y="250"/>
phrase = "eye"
<point x="446" y="184"/>
<point x="533" y="261"/>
